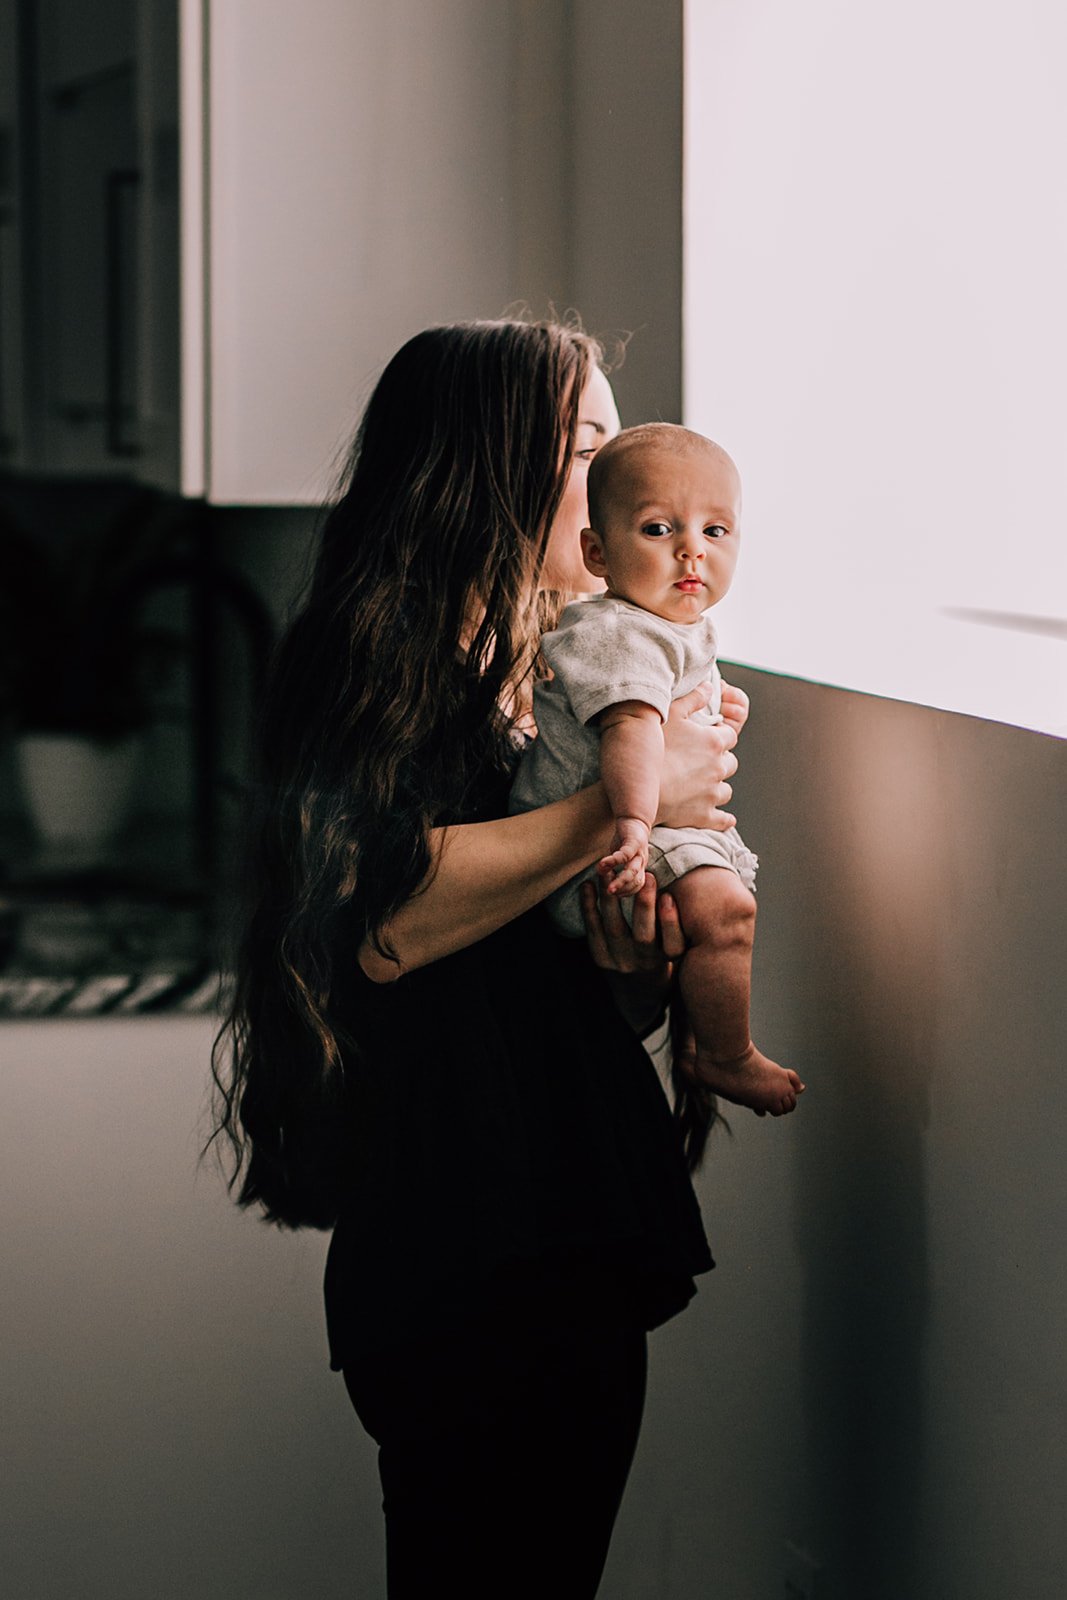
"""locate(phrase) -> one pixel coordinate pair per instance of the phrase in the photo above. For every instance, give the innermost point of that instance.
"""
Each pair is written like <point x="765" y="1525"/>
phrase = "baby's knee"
<point x="716" y="907"/>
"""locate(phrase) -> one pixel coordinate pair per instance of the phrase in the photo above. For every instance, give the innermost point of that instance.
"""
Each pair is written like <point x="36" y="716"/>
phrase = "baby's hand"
<point x="734" y="706"/>
<point x="624" y="870"/>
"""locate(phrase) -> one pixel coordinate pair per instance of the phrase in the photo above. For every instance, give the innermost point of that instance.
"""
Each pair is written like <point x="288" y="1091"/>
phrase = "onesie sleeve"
<point x="603" y="653"/>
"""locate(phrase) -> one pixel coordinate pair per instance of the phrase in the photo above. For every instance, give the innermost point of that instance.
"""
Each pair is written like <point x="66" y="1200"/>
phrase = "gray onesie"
<point x="604" y="651"/>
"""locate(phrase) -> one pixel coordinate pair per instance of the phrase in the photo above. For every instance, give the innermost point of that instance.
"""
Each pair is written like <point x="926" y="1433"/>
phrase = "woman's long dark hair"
<point x="383" y="715"/>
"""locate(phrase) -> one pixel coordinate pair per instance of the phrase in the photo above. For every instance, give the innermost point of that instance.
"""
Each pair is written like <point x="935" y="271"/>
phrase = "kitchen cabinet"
<point x="11" y="233"/>
<point x="247" y="205"/>
<point x="81" y="221"/>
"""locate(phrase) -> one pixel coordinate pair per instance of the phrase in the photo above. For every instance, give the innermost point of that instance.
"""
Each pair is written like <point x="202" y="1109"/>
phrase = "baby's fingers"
<point x="627" y="855"/>
<point x="623" y="872"/>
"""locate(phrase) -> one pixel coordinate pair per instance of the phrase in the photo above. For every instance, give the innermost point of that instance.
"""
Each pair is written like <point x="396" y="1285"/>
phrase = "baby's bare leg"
<point x="719" y="917"/>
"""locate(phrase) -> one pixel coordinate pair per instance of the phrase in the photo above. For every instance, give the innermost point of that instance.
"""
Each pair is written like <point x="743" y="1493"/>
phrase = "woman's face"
<point x="598" y="421"/>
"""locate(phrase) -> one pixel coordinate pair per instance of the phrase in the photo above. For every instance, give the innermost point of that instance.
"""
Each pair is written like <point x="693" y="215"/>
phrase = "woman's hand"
<point x="734" y="706"/>
<point x="637" y="960"/>
<point x="697" y="762"/>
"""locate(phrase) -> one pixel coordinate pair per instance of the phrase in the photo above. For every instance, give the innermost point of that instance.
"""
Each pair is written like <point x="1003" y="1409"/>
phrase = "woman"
<point x="413" y="1055"/>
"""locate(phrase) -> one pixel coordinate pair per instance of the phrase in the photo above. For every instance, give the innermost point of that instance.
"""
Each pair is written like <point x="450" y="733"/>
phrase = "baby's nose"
<point x="690" y="546"/>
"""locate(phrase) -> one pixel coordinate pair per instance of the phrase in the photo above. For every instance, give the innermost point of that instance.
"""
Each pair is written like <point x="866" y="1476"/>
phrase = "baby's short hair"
<point x="611" y="458"/>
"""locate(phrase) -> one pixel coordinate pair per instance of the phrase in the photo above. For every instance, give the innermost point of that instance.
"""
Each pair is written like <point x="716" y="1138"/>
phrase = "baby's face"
<point x="671" y="531"/>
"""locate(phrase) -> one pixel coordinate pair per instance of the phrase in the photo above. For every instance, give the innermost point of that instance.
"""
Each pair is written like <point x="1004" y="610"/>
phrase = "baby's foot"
<point x="750" y="1080"/>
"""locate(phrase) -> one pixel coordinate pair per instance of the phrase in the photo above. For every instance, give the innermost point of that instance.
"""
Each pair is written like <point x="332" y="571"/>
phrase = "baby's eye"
<point x="716" y="531"/>
<point x="657" y="530"/>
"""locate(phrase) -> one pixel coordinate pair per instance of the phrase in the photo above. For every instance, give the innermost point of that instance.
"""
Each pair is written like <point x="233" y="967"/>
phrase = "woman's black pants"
<point x="503" y="1455"/>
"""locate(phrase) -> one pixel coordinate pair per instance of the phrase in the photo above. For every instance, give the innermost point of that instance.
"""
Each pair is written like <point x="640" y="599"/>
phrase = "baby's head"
<point x="665" y="514"/>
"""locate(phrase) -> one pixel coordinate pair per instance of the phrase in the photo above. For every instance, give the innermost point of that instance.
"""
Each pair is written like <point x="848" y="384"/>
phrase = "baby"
<point x="664" y="504"/>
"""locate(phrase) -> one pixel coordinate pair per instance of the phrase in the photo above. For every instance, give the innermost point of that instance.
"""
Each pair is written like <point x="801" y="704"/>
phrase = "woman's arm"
<point x="487" y="873"/>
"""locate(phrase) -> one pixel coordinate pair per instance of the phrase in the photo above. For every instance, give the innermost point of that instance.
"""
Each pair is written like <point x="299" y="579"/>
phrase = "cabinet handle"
<point x="8" y="441"/>
<point x="121" y="180"/>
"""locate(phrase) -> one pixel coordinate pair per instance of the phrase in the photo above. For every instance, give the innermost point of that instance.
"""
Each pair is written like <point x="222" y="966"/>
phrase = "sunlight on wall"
<point x="876" y="328"/>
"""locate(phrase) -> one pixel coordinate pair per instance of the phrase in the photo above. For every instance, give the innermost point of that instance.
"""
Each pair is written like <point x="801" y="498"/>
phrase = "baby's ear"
<point x="592" y="554"/>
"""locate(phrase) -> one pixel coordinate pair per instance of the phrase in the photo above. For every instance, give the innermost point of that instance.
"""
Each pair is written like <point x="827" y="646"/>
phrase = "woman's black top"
<point x="505" y="1131"/>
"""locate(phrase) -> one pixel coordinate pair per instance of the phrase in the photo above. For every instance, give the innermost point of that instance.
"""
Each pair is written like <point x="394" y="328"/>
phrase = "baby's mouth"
<point x="689" y="584"/>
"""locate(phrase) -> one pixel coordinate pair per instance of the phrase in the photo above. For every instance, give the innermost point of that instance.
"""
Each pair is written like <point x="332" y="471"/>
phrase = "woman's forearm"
<point x="486" y="873"/>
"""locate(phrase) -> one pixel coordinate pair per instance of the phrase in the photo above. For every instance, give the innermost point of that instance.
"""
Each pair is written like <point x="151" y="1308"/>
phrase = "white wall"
<point x="403" y="217"/>
<point x="875" y="250"/>
<point x="626" y="193"/>
<point x="170" y="1424"/>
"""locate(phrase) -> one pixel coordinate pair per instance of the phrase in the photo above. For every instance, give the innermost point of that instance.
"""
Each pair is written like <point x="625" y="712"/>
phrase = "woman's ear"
<point x="593" y="554"/>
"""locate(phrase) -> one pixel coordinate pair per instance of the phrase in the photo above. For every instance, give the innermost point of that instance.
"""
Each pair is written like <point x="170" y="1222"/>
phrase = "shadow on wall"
<point x="909" y="965"/>
<point x="871" y="971"/>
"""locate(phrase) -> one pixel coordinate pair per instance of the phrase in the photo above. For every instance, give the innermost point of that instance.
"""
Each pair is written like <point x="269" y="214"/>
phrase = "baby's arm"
<point x="631" y="760"/>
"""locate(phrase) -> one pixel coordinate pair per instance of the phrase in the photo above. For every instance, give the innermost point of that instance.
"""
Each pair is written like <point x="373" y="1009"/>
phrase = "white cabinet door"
<point x="358" y="187"/>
